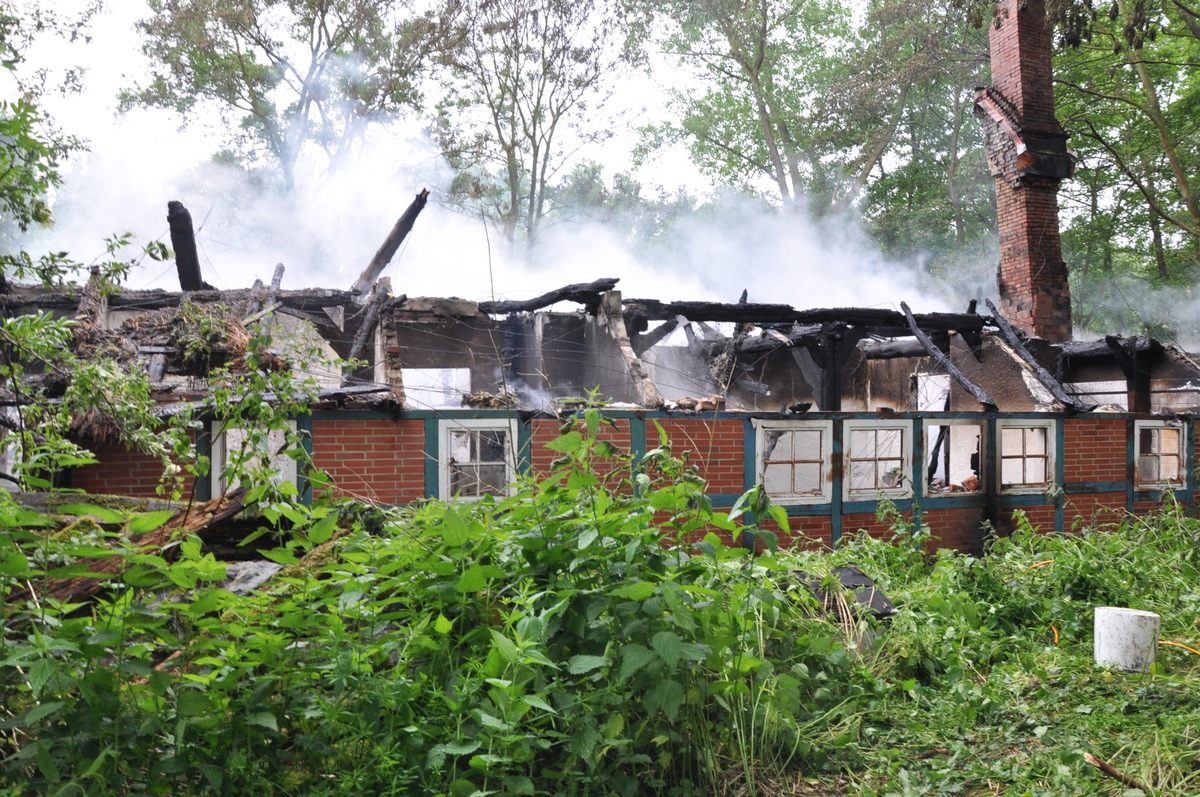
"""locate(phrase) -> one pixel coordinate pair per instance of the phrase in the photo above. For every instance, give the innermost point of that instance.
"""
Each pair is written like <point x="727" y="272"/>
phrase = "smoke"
<point x="327" y="230"/>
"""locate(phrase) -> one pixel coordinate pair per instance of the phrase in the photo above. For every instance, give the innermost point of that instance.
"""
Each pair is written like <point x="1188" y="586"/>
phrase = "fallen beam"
<point x="183" y="241"/>
<point x="943" y="360"/>
<point x="654" y="310"/>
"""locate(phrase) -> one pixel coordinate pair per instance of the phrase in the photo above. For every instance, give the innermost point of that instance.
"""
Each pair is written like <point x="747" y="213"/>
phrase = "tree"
<point x="795" y="95"/>
<point x="525" y="88"/>
<point x="1128" y="96"/>
<point x="291" y="75"/>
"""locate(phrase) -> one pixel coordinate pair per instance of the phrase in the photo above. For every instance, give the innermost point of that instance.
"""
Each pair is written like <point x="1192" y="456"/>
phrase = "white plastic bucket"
<point x="1126" y="638"/>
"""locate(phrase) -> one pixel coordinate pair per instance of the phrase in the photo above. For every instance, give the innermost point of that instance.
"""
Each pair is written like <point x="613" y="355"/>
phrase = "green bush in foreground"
<point x="590" y="634"/>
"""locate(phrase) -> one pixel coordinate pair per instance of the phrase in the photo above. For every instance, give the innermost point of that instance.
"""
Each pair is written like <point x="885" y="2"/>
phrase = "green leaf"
<point x="442" y="625"/>
<point x="537" y="701"/>
<point x="667" y="697"/>
<point x="577" y="665"/>
<point x="633" y="658"/>
<point x="455" y="531"/>
<point x="322" y="530"/>
<point x="506" y="647"/>
<point x="148" y="521"/>
<point x="280" y="556"/>
<point x="263" y="719"/>
<point x="103" y="514"/>
<point x="570" y="442"/>
<point x="668" y="646"/>
<point x="475" y="578"/>
<point x="637" y="591"/>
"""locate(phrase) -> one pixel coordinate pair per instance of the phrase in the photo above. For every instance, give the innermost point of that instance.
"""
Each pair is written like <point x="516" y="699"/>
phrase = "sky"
<point x="329" y="230"/>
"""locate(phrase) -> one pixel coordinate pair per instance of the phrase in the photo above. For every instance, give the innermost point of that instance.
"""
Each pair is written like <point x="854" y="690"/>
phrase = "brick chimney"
<point x="1027" y="154"/>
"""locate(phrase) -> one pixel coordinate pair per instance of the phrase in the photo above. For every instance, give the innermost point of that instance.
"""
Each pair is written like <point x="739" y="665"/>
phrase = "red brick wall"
<point x="716" y="446"/>
<point x="375" y="460"/>
<point x="1094" y="450"/>
<point x="1040" y="517"/>
<point x="1093" y="509"/>
<point x="123" y="472"/>
<point x="545" y="430"/>
<point x="957" y="528"/>
<point x="806" y="532"/>
<point x="1021" y="47"/>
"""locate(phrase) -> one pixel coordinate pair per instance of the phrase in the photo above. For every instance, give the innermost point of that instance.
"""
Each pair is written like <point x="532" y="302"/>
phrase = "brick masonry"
<point x="123" y="472"/>
<point x="1034" y="294"/>
<point x="374" y="460"/>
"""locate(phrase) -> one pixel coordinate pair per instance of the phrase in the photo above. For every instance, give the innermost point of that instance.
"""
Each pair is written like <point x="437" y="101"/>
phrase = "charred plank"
<point x="1045" y="377"/>
<point x="589" y="294"/>
<point x="391" y="243"/>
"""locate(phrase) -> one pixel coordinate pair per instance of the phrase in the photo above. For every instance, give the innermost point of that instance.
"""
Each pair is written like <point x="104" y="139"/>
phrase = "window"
<point x="1160" y="454"/>
<point x="954" y="455"/>
<point x="230" y="446"/>
<point x="1026" y="455"/>
<point x="794" y="460"/>
<point x="878" y="458"/>
<point x="476" y="457"/>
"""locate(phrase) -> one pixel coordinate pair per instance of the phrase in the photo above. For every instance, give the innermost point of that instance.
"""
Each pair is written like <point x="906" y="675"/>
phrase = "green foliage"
<point x="590" y="634"/>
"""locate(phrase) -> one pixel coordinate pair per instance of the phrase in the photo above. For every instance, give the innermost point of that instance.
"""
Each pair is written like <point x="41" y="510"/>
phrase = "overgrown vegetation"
<point x="590" y="634"/>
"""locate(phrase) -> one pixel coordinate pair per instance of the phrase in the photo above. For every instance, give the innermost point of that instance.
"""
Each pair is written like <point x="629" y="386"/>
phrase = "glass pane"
<point x="862" y="444"/>
<point x="463" y="480"/>
<point x="460" y="446"/>
<point x="1035" y="441"/>
<point x="775" y="447"/>
<point x="491" y="446"/>
<point x="862" y="475"/>
<point x="808" y="478"/>
<point x="1170" y="469"/>
<point x="492" y="479"/>
<point x="1035" y="471"/>
<point x="891" y="473"/>
<point x="807" y="444"/>
<point x="777" y="479"/>
<point x="1169" y="443"/>
<point x="1147" y="469"/>
<point x="889" y="443"/>
<point x="1011" y="471"/>
<point x="1010" y="441"/>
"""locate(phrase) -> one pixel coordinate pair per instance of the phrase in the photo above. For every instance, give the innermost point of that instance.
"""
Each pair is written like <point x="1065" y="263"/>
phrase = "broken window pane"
<point x="478" y="462"/>
<point x="876" y="459"/>
<point x="796" y="462"/>
<point x="1159" y="455"/>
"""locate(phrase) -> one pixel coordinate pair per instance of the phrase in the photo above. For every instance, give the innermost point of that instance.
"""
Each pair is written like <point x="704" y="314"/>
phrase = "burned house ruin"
<point x="958" y="419"/>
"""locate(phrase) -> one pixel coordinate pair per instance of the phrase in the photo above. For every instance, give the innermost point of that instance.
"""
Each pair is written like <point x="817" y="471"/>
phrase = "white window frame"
<point x="904" y="489"/>
<point x="932" y="423"/>
<point x="1161" y="484"/>
<point x="762" y="427"/>
<point x="446" y="426"/>
<point x="218" y="456"/>
<point x="1051" y="455"/>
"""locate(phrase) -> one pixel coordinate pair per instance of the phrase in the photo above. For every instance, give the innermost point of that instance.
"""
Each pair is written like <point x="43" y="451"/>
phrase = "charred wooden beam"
<point x="201" y="520"/>
<point x="644" y="343"/>
<point x="387" y="250"/>
<point x="979" y="393"/>
<point x="1135" y="365"/>
<point x="589" y="294"/>
<point x="183" y="241"/>
<point x="772" y="339"/>
<point x="867" y="317"/>
<point x="1009" y="333"/>
<point x="379" y="295"/>
<point x="609" y="316"/>
<point x="894" y="349"/>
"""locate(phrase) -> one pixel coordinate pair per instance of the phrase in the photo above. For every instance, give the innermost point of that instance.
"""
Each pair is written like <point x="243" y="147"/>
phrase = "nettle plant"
<point x="591" y="633"/>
